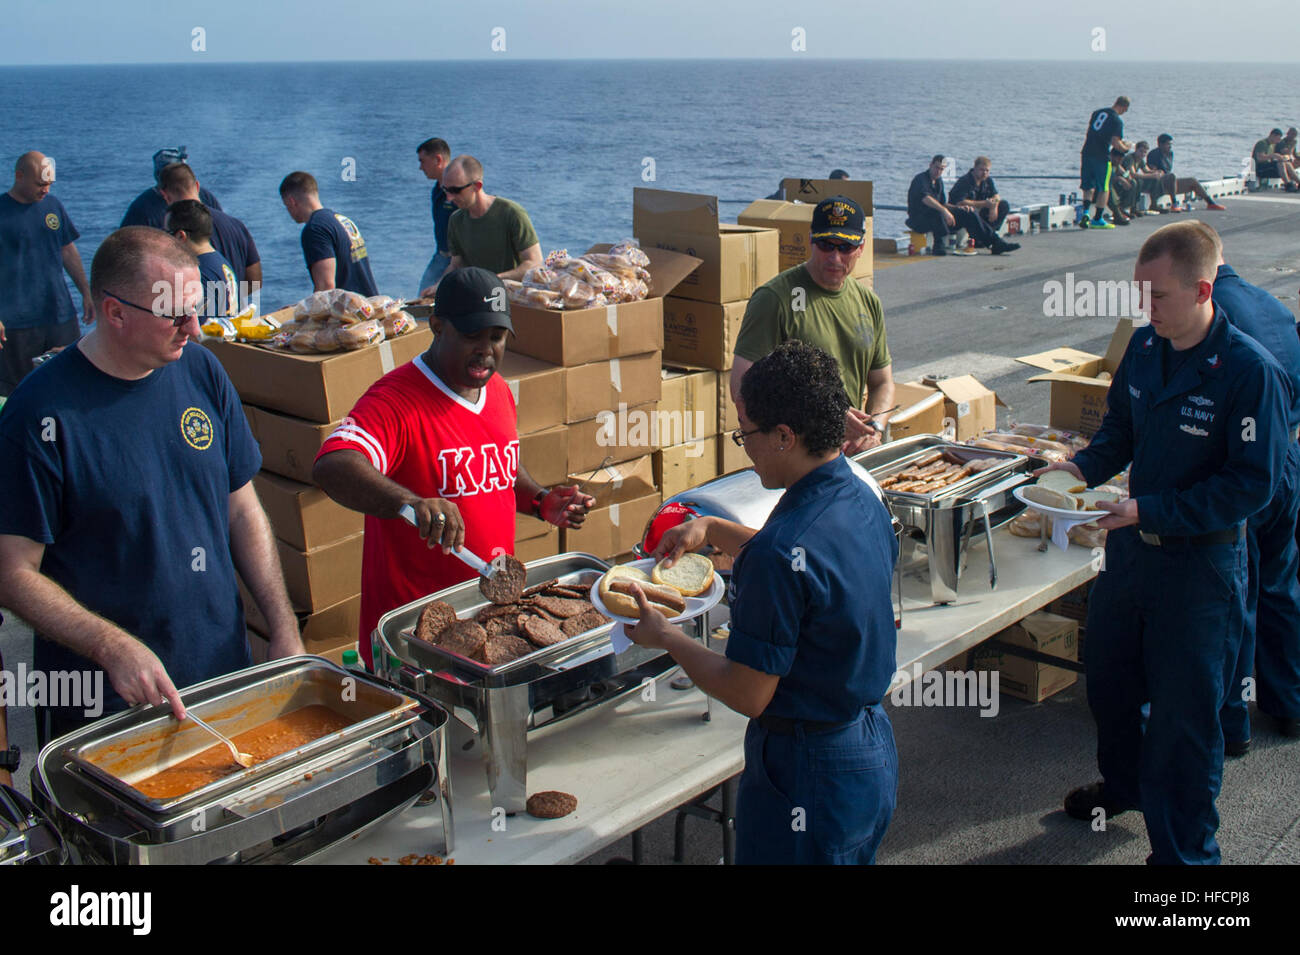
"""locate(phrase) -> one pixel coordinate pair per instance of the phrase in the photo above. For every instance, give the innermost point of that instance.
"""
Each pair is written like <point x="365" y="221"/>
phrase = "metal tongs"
<point x="465" y="554"/>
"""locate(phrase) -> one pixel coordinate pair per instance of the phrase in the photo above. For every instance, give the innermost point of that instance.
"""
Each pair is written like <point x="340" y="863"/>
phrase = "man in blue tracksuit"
<point x="1200" y="409"/>
<point x="1270" y="646"/>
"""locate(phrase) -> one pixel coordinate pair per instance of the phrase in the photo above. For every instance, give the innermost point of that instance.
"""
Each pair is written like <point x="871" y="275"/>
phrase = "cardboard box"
<point x="289" y="445"/>
<point x="535" y="548"/>
<point x="728" y="416"/>
<point x="320" y="388"/>
<point x="684" y="466"/>
<point x="921" y="411"/>
<point x="333" y="626"/>
<point x="538" y="389"/>
<point x="968" y="403"/>
<point x="688" y="406"/>
<point x="545" y="454"/>
<point x="611" y="530"/>
<point x="602" y="385"/>
<point x="259" y="648"/>
<point x="701" y="333"/>
<point x="793" y="222"/>
<point x="581" y="335"/>
<point x="813" y="191"/>
<point x="618" y="483"/>
<point x="613" y="436"/>
<point x="1027" y="679"/>
<point x="1078" y="397"/>
<point x="302" y="514"/>
<point x="730" y="457"/>
<point x="528" y="527"/>
<point x="322" y="576"/>
<point x="736" y="258"/>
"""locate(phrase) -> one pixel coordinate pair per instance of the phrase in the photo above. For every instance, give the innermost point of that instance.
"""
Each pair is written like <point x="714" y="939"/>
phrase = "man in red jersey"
<point x="439" y="434"/>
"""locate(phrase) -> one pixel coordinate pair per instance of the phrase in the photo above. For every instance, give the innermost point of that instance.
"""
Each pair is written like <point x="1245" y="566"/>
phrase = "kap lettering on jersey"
<point x="468" y="471"/>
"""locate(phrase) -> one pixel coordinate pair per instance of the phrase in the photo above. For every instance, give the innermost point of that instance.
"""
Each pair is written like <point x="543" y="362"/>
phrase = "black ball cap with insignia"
<point x="839" y="218"/>
<point x="472" y="299"/>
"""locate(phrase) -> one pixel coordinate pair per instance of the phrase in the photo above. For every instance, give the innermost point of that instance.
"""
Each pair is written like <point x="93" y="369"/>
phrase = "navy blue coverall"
<point x="810" y="602"/>
<point x="1164" y="619"/>
<point x="1270" y="644"/>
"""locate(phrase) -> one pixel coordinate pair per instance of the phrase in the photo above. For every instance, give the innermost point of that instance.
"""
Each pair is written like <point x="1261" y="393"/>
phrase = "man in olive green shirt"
<point x="820" y="303"/>
<point x="486" y="231"/>
<point x="1269" y="164"/>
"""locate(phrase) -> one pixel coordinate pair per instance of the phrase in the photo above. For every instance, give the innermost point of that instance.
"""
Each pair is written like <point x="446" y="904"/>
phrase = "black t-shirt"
<point x="967" y="188"/>
<point x="1103" y="126"/>
<point x="922" y="186"/>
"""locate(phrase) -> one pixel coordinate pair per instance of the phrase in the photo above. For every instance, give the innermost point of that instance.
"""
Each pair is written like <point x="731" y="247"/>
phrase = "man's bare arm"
<point x="530" y="258"/>
<point x="322" y="275"/>
<point x="72" y="265"/>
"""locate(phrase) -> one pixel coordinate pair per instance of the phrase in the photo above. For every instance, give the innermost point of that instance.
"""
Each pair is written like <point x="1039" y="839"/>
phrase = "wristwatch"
<point x="538" y="498"/>
<point x="10" y="758"/>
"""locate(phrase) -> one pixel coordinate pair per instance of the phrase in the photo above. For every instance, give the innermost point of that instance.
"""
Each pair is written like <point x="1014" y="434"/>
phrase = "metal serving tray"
<point x="128" y="751"/>
<point x="889" y="459"/>
<point x="398" y="627"/>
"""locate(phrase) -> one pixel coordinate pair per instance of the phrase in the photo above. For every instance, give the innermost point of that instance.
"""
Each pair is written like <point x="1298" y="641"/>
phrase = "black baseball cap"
<point x="472" y="299"/>
<point x="839" y="217"/>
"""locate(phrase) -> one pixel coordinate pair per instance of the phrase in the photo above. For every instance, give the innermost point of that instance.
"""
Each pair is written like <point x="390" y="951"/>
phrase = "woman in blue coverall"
<point x="812" y="645"/>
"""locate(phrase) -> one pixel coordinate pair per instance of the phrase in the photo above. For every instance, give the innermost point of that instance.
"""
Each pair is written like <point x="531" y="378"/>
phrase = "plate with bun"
<point x="1076" y="505"/>
<point x="681" y="592"/>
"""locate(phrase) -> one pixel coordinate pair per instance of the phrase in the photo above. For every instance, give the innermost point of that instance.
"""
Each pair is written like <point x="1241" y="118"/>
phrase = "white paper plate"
<point x="1084" y="516"/>
<point x="694" y="605"/>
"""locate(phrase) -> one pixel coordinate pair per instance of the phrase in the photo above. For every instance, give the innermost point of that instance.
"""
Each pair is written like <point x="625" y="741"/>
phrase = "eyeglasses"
<point x="739" y="436"/>
<point x="176" y="320"/>
<point x="844" y="248"/>
<point x="457" y="190"/>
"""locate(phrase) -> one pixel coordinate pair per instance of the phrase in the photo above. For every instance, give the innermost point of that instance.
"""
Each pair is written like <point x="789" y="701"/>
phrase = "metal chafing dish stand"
<point x="278" y="811"/>
<point x="500" y="705"/>
<point x="939" y="526"/>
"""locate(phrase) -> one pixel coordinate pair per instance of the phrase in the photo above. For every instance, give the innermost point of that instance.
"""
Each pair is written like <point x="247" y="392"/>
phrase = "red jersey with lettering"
<point x="415" y="430"/>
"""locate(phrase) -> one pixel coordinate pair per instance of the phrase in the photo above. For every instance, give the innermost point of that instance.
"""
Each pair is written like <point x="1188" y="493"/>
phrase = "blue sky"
<point x="150" y="31"/>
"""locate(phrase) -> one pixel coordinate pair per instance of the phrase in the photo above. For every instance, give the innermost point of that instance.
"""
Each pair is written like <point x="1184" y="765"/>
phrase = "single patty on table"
<point x="551" y="804"/>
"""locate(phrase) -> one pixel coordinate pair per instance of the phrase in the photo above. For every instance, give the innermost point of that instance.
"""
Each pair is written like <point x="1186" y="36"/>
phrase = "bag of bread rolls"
<point x="631" y="250"/>
<point x="349" y="307"/>
<point x="314" y="307"/>
<point x="360" y="334"/>
<point x="397" y="323"/>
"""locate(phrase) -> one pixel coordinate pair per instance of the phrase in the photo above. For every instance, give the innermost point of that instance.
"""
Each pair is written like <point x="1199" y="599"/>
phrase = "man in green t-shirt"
<point x="1269" y="164"/>
<point x="820" y="303"/>
<point x="486" y="231"/>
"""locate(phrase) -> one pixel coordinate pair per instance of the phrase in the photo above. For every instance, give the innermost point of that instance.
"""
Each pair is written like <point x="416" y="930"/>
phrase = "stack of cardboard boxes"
<point x="588" y="397"/>
<point x="293" y="402"/>
<point x="700" y="323"/>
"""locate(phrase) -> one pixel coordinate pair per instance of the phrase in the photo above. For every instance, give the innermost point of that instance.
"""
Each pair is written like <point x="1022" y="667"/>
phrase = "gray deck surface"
<point x="979" y="790"/>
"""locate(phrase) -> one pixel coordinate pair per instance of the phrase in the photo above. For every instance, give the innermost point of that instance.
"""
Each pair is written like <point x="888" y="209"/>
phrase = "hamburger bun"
<point x="1088" y="499"/>
<point x="691" y="575"/>
<point x="1062" y="481"/>
<point x="618" y="599"/>
<point x="1048" y="497"/>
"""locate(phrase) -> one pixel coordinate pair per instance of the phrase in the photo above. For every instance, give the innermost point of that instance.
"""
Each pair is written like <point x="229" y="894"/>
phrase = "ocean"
<point x="570" y="139"/>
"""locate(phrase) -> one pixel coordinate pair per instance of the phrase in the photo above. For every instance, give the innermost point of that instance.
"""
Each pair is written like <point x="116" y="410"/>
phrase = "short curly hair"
<point x="798" y="385"/>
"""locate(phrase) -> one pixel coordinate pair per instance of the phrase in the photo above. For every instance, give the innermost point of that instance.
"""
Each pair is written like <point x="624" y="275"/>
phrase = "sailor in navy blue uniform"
<point x="1200" y="410"/>
<point x="1270" y="645"/>
<point x="812" y="645"/>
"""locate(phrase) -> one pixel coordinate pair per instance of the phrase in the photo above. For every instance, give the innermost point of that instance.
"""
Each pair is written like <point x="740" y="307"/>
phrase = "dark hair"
<point x="837" y="174"/>
<point x="176" y="176"/>
<point x="190" y="215"/>
<point x="1164" y="138"/>
<point x="1142" y="144"/>
<point x="1123" y="101"/>
<point x="797" y="385"/>
<point x="299" y="184"/>
<point x="121" y="261"/>
<point x="937" y="157"/>
<point x="434" y="147"/>
<point x="1275" y="132"/>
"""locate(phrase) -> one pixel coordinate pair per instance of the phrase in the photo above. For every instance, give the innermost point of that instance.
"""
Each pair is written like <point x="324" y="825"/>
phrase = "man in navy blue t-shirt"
<point x="36" y="248"/>
<point x="230" y="237"/>
<point x="125" y="498"/>
<point x="434" y="154"/>
<point x="332" y="245"/>
<point x="1105" y="132"/>
<point x="190" y="221"/>
<point x="149" y="207"/>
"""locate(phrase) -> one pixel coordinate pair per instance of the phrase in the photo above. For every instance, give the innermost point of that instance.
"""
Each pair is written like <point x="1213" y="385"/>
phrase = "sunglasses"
<point x="844" y="248"/>
<point x="457" y="190"/>
<point x="176" y="320"/>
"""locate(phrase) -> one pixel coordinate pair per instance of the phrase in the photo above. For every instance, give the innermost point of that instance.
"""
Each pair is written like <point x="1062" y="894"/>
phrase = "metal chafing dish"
<point x="282" y="810"/>
<point x="27" y="836"/>
<point x="939" y="526"/>
<point x="500" y="705"/>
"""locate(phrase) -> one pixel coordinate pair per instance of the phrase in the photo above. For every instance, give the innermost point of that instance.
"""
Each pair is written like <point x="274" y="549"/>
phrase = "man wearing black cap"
<point x="150" y="208"/>
<point x="1162" y="160"/>
<point x="928" y="210"/>
<point x="439" y="434"/>
<point x="819" y="302"/>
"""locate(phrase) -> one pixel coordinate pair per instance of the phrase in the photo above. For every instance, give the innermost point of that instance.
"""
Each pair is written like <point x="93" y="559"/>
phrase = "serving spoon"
<point x="243" y="759"/>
